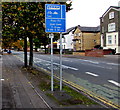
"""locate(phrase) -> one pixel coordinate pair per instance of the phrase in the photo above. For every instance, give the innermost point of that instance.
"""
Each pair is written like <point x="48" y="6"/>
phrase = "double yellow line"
<point x="91" y="94"/>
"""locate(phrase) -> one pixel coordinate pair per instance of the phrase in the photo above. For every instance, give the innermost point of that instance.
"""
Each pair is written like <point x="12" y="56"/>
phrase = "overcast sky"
<point x="87" y="12"/>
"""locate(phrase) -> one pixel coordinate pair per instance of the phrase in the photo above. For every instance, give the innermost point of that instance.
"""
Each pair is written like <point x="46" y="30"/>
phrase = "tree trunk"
<point x="45" y="49"/>
<point x="36" y="50"/>
<point x="31" y="52"/>
<point x="25" y="52"/>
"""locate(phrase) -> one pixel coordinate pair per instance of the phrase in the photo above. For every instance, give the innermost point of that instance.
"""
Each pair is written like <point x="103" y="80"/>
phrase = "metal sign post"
<point x="51" y="36"/>
<point x="60" y="61"/>
<point x="55" y="21"/>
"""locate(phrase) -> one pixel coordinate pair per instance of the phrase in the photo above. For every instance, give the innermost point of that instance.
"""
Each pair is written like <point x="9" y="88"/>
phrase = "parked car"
<point x="5" y="50"/>
<point x="9" y="51"/>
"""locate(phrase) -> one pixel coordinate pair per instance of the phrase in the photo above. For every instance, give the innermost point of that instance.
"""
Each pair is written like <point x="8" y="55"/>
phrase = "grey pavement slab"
<point x="0" y="82"/>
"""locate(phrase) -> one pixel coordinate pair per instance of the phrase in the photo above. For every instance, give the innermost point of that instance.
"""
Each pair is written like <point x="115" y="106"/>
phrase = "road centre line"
<point x="94" y="62"/>
<point x="114" y="82"/>
<point x="92" y="74"/>
<point x="64" y="66"/>
<point x="91" y="61"/>
<point x="97" y="65"/>
<point x="113" y="64"/>
<point x="102" y="67"/>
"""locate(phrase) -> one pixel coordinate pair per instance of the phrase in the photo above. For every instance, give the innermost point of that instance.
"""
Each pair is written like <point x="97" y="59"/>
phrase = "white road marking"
<point x="64" y="66"/>
<point x="70" y="67"/>
<point x="37" y="61"/>
<point x="91" y="61"/>
<point x="103" y="67"/>
<point x="67" y="60"/>
<point x="113" y="64"/>
<point x="114" y="82"/>
<point x="47" y="64"/>
<point x="91" y="74"/>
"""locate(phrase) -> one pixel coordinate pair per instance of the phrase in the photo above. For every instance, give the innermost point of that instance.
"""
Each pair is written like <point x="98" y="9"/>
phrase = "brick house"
<point x="110" y="28"/>
<point x="86" y="38"/>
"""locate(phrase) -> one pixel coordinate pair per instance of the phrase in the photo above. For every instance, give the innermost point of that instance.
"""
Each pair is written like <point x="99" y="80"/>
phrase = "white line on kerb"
<point x="40" y="96"/>
<point x="2" y="79"/>
<point x="114" y="82"/>
<point x="91" y="74"/>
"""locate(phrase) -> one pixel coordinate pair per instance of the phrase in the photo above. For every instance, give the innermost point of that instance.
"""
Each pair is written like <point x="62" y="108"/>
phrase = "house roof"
<point x="83" y="29"/>
<point x="117" y="8"/>
<point x="89" y="29"/>
<point x="69" y="30"/>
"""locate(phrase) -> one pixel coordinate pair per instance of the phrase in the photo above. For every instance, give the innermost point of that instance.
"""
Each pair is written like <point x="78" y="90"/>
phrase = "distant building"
<point x="67" y="38"/>
<point x="86" y="38"/>
<point x="110" y="28"/>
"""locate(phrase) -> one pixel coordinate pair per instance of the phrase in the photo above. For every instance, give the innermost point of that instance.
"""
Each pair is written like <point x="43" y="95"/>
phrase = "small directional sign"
<point x="55" y="18"/>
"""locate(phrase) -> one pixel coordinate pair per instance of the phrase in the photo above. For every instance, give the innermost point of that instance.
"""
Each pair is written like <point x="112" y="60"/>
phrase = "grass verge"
<point x="66" y="97"/>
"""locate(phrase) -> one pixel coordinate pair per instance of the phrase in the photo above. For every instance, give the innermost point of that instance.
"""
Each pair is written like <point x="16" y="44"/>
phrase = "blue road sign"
<point x="55" y="18"/>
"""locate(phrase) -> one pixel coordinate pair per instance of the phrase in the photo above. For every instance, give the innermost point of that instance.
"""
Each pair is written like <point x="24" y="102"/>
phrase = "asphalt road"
<point x="98" y="75"/>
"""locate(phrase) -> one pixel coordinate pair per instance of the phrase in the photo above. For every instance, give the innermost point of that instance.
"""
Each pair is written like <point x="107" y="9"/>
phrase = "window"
<point x="64" y="40"/>
<point x="102" y="20"/>
<point x="79" y="41"/>
<point x="109" y="39"/>
<point x="111" y="15"/>
<point x="94" y="41"/>
<point x="77" y="34"/>
<point x="102" y="37"/>
<point x="115" y="39"/>
<point x="63" y="46"/>
<point x="111" y="27"/>
<point x="102" y="29"/>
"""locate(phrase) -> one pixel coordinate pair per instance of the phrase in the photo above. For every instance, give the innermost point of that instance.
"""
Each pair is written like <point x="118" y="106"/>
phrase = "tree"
<point x="25" y="19"/>
<point x="18" y="44"/>
<point x="36" y="43"/>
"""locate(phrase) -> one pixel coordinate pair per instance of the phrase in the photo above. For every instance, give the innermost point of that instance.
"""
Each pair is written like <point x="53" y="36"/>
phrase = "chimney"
<point x="119" y="3"/>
